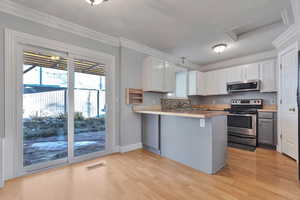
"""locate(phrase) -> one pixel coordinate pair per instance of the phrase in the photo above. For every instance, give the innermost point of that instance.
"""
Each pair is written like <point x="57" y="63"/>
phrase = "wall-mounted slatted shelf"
<point x="134" y="96"/>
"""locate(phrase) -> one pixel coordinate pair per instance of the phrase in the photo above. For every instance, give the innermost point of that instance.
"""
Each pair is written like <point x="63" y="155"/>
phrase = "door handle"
<point x="292" y="109"/>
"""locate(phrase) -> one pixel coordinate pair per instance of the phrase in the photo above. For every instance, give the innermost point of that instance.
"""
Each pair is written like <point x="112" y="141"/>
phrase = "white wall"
<point x="129" y="75"/>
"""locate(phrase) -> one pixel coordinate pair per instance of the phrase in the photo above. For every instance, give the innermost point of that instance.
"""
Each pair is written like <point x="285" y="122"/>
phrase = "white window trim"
<point x="12" y="40"/>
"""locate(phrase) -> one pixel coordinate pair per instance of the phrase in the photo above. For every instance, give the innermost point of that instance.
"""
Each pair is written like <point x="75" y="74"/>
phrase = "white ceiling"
<point x="184" y="28"/>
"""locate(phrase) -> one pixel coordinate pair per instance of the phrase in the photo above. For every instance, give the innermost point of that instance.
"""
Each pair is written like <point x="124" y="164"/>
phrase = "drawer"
<point x="265" y="115"/>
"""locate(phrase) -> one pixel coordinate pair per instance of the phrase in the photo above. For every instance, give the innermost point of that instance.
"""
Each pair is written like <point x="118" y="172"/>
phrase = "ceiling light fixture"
<point x="219" y="48"/>
<point x="95" y="2"/>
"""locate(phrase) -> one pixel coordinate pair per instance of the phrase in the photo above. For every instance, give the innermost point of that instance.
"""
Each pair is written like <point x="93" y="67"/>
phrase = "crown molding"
<point x="18" y="10"/>
<point x="240" y="61"/>
<point x="289" y="34"/>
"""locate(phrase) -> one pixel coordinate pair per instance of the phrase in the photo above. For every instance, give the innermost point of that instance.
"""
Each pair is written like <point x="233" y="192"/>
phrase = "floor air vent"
<point x="97" y="165"/>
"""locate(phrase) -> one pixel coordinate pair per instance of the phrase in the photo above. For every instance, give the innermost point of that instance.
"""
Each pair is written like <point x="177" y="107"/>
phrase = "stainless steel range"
<point x="242" y="122"/>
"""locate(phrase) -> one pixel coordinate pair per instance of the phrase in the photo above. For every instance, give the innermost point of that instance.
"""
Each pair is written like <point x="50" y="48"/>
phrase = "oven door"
<point x="242" y="124"/>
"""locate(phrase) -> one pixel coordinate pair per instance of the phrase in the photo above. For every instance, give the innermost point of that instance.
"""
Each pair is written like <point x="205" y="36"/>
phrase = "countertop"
<point x="179" y="113"/>
<point x="267" y="110"/>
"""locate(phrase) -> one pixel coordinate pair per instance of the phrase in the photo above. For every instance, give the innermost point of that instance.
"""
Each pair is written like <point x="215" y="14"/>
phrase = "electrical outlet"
<point x="202" y="123"/>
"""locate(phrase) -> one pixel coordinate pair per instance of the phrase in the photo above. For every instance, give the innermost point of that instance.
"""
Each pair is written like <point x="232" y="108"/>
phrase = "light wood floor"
<point x="141" y="175"/>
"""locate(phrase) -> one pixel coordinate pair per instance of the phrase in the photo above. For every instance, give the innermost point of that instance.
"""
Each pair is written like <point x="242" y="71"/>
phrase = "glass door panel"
<point x="89" y="107"/>
<point x="45" y="128"/>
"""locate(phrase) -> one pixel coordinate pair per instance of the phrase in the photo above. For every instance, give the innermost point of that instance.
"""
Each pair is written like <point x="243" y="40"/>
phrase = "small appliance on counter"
<point x="242" y="123"/>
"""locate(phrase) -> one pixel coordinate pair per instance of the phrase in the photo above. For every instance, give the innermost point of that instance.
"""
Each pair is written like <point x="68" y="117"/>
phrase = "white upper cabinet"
<point x="153" y="74"/>
<point x="170" y="80"/>
<point x="158" y="75"/>
<point x="221" y="77"/>
<point x="196" y="83"/>
<point x="235" y="74"/>
<point x="268" y="76"/>
<point x="215" y="82"/>
<point x="210" y="83"/>
<point x="250" y="72"/>
<point x="243" y="73"/>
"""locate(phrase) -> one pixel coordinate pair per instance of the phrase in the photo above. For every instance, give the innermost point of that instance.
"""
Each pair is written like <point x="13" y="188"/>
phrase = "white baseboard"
<point x="116" y="149"/>
<point x="132" y="147"/>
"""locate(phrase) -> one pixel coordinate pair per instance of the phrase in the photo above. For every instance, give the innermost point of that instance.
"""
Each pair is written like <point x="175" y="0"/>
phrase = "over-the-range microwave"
<point x="243" y="86"/>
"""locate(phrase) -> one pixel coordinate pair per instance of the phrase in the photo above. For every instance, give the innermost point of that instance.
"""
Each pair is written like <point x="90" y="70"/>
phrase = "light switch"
<point x="202" y="123"/>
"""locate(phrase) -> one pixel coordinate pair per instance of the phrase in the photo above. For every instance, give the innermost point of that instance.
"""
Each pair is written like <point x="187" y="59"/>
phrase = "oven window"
<point x="239" y="121"/>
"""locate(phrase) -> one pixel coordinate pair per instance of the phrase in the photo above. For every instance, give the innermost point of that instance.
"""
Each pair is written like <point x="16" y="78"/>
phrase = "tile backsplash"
<point x="171" y="104"/>
<point x="269" y="98"/>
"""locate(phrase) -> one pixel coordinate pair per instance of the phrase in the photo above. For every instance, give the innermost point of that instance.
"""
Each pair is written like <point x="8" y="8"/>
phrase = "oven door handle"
<point x="244" y="115"/>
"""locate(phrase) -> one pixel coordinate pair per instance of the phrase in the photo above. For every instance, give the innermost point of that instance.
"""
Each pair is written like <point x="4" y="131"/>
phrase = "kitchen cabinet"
<point x="235" y="74"/>
<point x="196" y="83"/>
<point x="250" y="72"/>
<point x="169" y="75"/>
<point x="158" y="75"/>
<point x="151" y="133"/>
<point x="243" y="73"/>
<point x="268" y="76"/>
<point x="210" y="83"/>
<point x="267" y="129"/>
<point x="215" y="82"/>
<point x="221" y="78"/>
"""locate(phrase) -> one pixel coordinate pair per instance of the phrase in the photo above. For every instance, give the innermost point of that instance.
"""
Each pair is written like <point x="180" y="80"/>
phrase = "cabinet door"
<point x="221" y="81"/>
<point x="268" y="76"/>
<point x="235" y="74"/>
<point x="196" y="83"/>
<point x="153" y="74"/>
<point x="193" y="82"/>
<point x="201" y="83"/>
<point x="251" y="72"/>
<point x="265" y="131"/>
<point x="150" y="132"/>
<point x="169" y="80"/>
<point x="210" y="84"/>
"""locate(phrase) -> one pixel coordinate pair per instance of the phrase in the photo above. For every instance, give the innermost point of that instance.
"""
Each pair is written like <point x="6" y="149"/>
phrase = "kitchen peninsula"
<point x="193" y="137"/>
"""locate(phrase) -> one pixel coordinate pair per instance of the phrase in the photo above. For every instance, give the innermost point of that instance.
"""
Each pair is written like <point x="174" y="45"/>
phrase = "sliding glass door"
<point x="89" y="107"/>
<point x="63" y="109"/>
<point x="45" y="125"/>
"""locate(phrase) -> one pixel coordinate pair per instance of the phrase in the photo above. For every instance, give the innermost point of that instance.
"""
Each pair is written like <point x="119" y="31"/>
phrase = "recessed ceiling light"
<point x="219" y="48"/>
<point x="95" y="2"/>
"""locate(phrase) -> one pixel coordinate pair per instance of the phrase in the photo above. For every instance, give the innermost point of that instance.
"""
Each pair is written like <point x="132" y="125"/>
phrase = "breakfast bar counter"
<point x="195" y="138"/>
